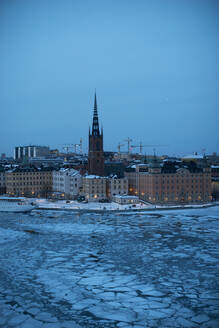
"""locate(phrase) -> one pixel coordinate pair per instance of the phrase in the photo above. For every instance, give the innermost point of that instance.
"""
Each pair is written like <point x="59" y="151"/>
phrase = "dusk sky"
<point x="154" y="65"/>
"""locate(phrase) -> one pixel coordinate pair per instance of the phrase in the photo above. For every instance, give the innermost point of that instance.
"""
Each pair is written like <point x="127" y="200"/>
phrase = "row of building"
<point x="171" y="182"/>
<point x="63" y="183"/>
<point x="168" y="181"/>
<point x="157" y="182"/>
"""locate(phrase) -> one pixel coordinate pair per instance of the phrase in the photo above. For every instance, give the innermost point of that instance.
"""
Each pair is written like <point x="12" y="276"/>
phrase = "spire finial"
<point x="95" y="100"/>
<point x="95" y="127"/>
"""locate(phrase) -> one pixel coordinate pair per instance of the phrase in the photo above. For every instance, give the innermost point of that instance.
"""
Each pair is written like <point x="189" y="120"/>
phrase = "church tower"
<point x="95" y="153"/>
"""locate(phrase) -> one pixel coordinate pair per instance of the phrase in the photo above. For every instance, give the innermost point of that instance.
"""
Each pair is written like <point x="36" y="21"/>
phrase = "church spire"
<point x="95" y="152"/>
<point x="95" y="126"/>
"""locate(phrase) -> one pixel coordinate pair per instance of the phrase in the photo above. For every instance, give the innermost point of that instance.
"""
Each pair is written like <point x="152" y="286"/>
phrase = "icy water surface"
<point x="65" y="270"/>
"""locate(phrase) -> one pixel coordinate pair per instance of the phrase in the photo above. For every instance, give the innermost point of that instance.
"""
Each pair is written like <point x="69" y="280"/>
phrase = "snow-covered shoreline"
<point x="75" y="206"/>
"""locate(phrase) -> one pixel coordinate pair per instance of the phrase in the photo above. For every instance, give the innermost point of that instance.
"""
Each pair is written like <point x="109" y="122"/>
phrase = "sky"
<point x="154" y="65"/>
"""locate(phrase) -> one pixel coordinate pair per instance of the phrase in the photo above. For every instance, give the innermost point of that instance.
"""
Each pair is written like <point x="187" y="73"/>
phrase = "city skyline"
<point x="154" y="66"/>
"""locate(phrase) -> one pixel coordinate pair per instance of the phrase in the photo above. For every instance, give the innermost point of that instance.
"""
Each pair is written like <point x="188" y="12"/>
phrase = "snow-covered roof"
<point x="193" y="156"/>
<point x="13" y="198"/>
<point x="9" y="165"/>
<point x="92" y="176"/>
<point x="70" y="172"/>
<point x="126" y="196"/>
<point x="172" y="160"/>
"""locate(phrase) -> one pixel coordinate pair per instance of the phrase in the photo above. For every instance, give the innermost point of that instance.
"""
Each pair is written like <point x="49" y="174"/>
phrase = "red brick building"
<point x="95" y="153"/>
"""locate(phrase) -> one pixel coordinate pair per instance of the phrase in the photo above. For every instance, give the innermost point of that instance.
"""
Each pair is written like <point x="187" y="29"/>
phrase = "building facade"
<point x="114" y="168"/>
<point x="171" y="183"/>
<point x="94" y="188"/>
<point x="95" y="152"/>
<point x="116" y="186"/>
<point x="22" y="153"/>
<point x="215" y="181"/>
<point x="2" y="181"/>
<point x="67" y="182"/>
<point x="29" y="182"/>
<point x="124" y="200"/>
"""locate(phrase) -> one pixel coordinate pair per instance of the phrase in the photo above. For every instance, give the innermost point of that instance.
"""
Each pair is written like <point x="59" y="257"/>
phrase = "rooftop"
<point x="126" y="196"/>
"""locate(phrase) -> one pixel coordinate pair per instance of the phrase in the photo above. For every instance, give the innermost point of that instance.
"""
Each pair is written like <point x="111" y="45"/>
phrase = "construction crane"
<point x="67" y="147"/>
<point x="73" y="146"/>
<point x="119" y="147"/>
<point x="81" y="150"/>
<point x="78" y="145"/>
<point x="140" y="146"/>
<point x="128" y="140"/>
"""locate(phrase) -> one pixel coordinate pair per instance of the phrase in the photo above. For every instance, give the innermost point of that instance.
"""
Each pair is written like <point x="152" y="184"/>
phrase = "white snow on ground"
<point x="96" y="206"/>
<point x="74" y="205"/>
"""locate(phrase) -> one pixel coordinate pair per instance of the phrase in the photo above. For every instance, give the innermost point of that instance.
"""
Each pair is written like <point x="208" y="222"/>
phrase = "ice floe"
<point x="110" y="271"/>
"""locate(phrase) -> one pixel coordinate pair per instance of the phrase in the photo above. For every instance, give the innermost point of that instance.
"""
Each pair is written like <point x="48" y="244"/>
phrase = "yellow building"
<point x="94" y="187"/>
<point x="29" y="182"/>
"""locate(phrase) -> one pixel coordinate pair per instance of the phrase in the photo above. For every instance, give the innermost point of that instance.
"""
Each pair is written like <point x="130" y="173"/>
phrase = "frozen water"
<point x="200" y="318"/>
<point x="146" y="270"/>
<point x="17" y="319"/>
<point x="10" y="235"/>
<point x="46" y="317"/>
<point x="182" y="322"/>
<point x="32" y="323"/>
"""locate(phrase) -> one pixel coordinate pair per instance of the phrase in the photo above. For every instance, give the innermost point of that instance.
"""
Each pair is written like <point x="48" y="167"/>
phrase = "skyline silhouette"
<point x="154" y="65"/>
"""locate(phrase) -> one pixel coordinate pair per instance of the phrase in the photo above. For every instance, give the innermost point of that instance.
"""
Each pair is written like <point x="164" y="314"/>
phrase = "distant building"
<point x="215" y="188"/>
<point x="114" y="168"/>
<point x="100" y="188"/>
<point x="94" y="187"/>
<point x="213" y="159"/>
<point x="215" y="171"/>
<point x="193" y="157"/>
<point x="95" y="153"/>
<point x="124" y="200"/>
<point x="2" y="181"/>
<point x="23" y="153"/>
<point x="67" y="182"/>
<point x="3" y="155"/>
<point x="53" y="162"/>
<point x="215" y="181"/>
<point x="171" y="183"/>
<point x="116" y="186"/>
<point x="29" y="181"/>
<point x="54" y="152"/>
